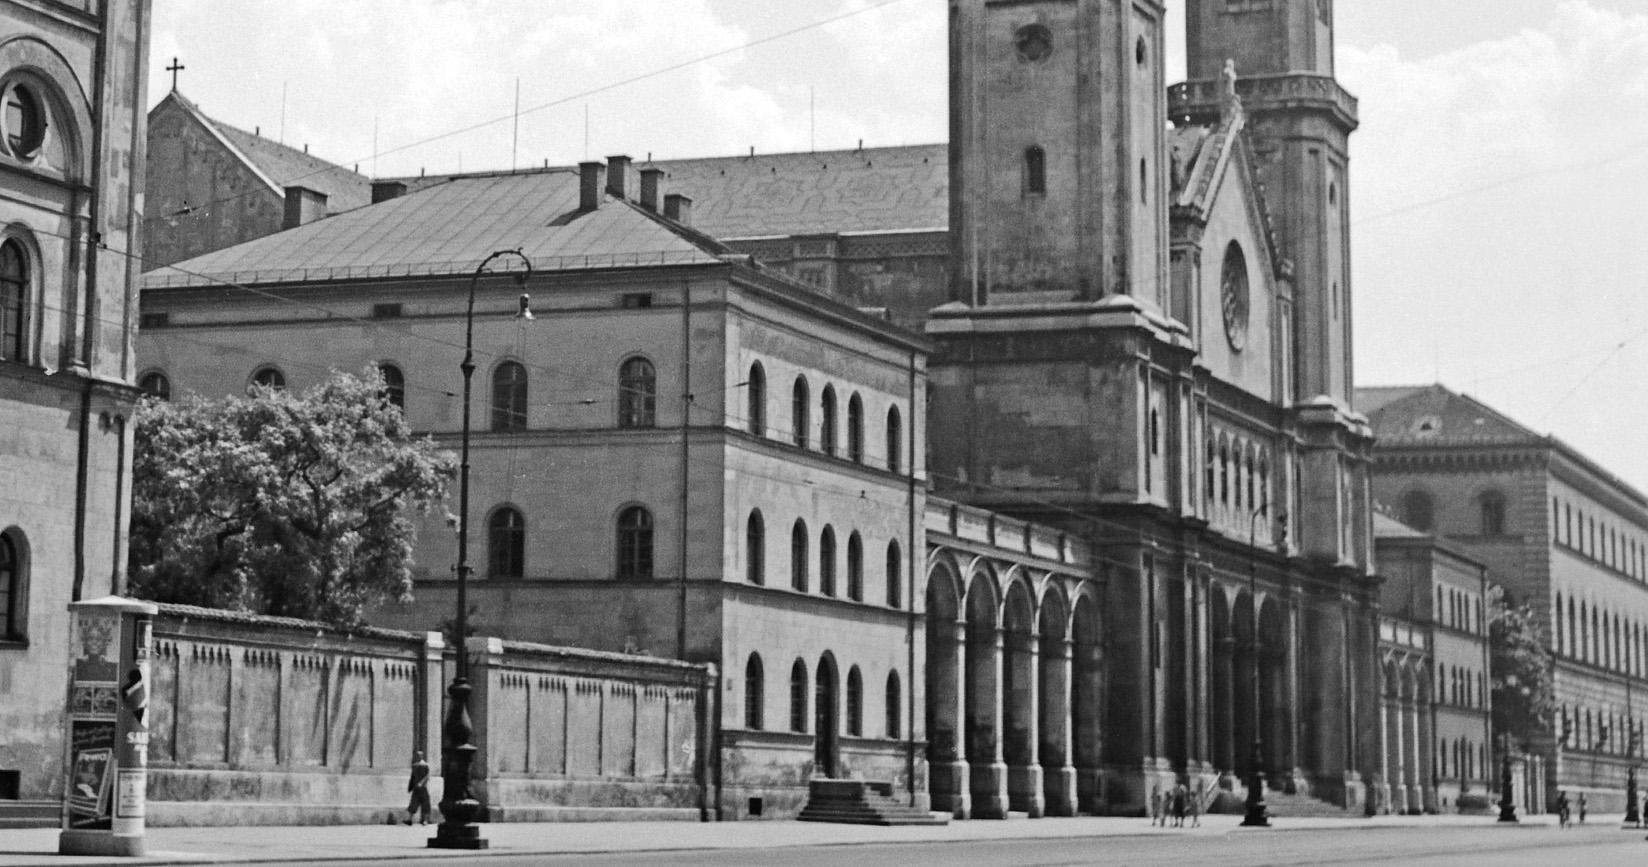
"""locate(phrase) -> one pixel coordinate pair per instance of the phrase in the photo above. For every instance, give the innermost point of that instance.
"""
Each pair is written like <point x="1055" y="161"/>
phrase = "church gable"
<point x="1226" y="264"/>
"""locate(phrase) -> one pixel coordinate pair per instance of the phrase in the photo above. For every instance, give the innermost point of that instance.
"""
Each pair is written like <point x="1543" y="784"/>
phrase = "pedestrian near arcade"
<point x="1180" y="795"/>
<point x="1562" y="809"/>
<point x="1581" y="808"/>
<point x="1196" y="805"/>
<point x="1155" y="806"/>
<point x="418" y="787"/>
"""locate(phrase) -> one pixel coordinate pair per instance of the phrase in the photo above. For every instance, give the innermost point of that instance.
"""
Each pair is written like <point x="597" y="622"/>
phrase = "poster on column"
<point x="91" y="767"/>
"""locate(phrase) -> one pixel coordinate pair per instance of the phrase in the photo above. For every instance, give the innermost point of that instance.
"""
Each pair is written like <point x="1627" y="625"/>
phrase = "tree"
<point x="1524" y="700"/>
<point x="299" y="505"/>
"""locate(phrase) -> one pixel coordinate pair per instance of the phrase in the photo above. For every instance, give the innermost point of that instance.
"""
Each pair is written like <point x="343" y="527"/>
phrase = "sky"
<point x="1496" y="180"/>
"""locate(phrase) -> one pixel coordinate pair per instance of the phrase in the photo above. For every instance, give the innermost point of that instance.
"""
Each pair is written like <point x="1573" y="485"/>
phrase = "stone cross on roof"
<point x="174" y="69"/>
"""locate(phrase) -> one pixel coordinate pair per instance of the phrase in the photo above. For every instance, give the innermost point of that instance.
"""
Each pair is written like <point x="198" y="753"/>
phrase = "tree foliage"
<point x="299" y="505"/>
<point x="1524" y="700"/>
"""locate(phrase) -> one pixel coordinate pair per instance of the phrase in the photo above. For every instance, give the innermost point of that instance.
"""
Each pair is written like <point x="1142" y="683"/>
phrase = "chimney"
<point x="589" y="186"/>
<point x="303" y="205"/>
<point x="617" y="175"/>
<point x="650" y="180"/>
<point x="678" y="208"/>
<point x="383" y="191"/>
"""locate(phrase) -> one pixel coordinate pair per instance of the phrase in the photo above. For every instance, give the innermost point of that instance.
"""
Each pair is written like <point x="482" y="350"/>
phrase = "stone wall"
<point x="261" y="720"/>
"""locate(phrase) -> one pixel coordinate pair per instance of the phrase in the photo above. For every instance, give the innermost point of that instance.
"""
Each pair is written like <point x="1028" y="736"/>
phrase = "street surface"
<point x="1450" y="841"/>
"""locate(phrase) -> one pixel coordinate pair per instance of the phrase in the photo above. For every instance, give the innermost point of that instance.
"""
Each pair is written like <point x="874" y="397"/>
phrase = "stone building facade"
<point x="71" y="112"/>
<point x="1562" y="535"/>
<point x="1135" y="340"/>
<point x="1436" y="720"/>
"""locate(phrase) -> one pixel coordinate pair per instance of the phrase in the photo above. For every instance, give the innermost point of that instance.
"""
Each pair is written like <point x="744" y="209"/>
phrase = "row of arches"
<point x="828" y="425"/>
<point x="1617" y="548"/>
<point x="1236" y="477"/>
<point x="801" y="563"/>
<point x="1588" y="633"/>
<point x="1014" y="690"/>
<point x="823" y="708"/>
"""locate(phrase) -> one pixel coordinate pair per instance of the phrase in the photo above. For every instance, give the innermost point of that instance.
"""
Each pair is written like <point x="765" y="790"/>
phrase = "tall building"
<point x="1140" y="353"/>
<point x="1131" y="390"/>
<point x="71" y="155"/>
<point x="1561" y="534"/>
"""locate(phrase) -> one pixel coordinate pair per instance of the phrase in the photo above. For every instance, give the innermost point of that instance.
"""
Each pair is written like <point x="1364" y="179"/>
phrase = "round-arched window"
<point x="269" y="376"/>
<point x="23" y="118"/>
<point x="1233" y="293"/>
<point x="155" y="384"/>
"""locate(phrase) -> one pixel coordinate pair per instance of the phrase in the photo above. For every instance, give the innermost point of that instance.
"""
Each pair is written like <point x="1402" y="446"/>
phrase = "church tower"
<point x="1057" y="132"/>
<point x="1282" y="51"/>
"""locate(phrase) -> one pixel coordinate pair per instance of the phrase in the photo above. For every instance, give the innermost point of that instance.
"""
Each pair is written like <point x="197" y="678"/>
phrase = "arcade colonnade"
<point x="1044" y="696"/>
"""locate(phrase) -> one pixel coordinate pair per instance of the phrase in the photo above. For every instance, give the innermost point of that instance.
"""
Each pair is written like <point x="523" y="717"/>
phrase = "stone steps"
<point x="1283" y="805"/>
<point x="30" y="814"/>
<point x="861" y="802"/>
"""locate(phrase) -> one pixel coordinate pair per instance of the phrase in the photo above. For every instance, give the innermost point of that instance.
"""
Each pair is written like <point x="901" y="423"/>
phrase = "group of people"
<point x="1175" y="805"/>
<point x="1564" y="813"/>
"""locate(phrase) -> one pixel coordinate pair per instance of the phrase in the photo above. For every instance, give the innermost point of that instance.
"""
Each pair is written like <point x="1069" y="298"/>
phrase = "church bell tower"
<point x="1301" y="121"/>
<point x="1057" y="135"/>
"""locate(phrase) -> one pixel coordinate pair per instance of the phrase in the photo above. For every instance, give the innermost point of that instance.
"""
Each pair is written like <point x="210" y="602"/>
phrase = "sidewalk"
<point x="253" y="844"/>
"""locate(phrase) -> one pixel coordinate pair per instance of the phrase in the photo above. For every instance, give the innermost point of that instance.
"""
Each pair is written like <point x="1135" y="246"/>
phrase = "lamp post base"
<point x="458" y="837"/>
<point x="1255" y="813"/>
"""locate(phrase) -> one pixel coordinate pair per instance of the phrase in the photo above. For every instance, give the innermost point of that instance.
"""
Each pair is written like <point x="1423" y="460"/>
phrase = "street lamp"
<point x="1255" y="814"/>
<point x="460" y="809"/>
<point x="1507" y="806"/>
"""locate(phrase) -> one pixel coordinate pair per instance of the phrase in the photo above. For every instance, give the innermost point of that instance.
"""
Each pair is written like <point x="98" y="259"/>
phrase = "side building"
<point x="683" y="454"/>
<point x="1557" y="531"/>
<point x="1435" y="714"/>
<point x="71" y="155"/>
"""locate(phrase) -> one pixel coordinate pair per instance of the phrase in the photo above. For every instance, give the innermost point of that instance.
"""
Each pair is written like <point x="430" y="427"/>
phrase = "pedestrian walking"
<point x="1196" y="806"/>
<point x="1180" y="795"/>
<point x="1562" y="809"/>
<point x="1155" y="806"/>
<point x="1581" y="808"/>
<point x="418" y="787"/>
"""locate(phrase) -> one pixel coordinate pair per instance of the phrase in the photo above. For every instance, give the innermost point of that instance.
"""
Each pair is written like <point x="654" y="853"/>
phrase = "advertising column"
<point x="108" y="736"/>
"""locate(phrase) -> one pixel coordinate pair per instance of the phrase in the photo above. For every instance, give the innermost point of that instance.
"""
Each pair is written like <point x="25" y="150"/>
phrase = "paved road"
<point x="1594" y="846"/>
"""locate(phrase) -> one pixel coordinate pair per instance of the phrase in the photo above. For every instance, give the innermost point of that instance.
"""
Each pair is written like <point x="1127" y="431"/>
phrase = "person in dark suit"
<point x="418" y="786"/>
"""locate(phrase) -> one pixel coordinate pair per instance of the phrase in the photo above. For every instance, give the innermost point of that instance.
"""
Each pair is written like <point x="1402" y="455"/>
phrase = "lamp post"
<point x="1507" y="806"/>
<point x="1255" y="814"/>
<point x="460" y="809"/>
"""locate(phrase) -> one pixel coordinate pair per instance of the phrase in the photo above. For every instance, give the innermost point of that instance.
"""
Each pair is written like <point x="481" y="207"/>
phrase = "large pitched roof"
<point x="448" y="226"/>
<point x="283" y="166"/>
<point x="1435" y="415"/>
<point x="863" y="191"/>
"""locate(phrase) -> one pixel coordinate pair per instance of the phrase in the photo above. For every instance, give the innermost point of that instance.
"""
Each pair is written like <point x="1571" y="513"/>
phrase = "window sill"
<point x="14" y="644"/>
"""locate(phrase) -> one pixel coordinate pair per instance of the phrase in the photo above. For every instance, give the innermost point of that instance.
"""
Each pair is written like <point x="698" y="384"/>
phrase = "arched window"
<point x="155" y="384"/>
<point x="826" y="421"/>
<point x="798" y="556"/>
<point x="1035" y="171"/>
<point x="637" y="394"/>
<point x="14" y="301"/>
<point x="755" y="545"/>
<point x="801" y="402"/>
<point x="855" y="567"/>
<point x="509" y="397"/>
<point x="855" y="429"/>
<point x="895" y="439"/>
<point x="855" y="703"/>
<point x="635" y="543"/>
<point x="895" y="707"/>
<point x="826" y="561"/>
<point x="895" y="568"/>
<point x="757" y="393"/>
<point x="394" y="386"/>
<point x="13" y="587"/>
<point x="505" y="544"/>
<point x="1224" y="471"/>
<point x="798" y="696"/>
<point x="1211" y="459"/>
<point x="269" y="376"/>
<point x="755" y="693"/>
<point x="1418" y="511"/>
